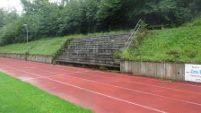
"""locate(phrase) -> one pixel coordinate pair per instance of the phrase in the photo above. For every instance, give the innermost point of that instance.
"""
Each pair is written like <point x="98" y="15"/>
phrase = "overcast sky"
<point x="8" y="4"/>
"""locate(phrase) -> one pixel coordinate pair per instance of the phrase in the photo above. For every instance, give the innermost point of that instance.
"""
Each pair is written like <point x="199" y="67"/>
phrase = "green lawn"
<point x="46" y="46"/>
<point x="20" y="97"/>
<point x="169" y="45"/>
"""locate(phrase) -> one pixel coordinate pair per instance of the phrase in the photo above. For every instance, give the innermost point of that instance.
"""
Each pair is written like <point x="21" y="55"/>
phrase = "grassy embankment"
<point x="169" y="45"/>
<point x="20" y="97"/>
<point x="47" y="46"/>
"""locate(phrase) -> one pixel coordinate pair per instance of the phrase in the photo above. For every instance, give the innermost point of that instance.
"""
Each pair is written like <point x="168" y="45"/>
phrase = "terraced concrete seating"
<point x="94" y="50"/>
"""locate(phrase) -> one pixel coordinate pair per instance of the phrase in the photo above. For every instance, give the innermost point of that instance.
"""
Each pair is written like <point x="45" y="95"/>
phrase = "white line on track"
<point x="124" y="88"/>
<point x="88" y="73"/>
<point x="122" y="100"/>
<point x="113" y="78"/>
<point x="194" y="85"/>
<point x="139" y="105"/>
<point x="39" y="76"/>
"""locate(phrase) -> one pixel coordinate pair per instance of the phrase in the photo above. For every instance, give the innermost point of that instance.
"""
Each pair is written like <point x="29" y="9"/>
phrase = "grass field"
<point x="19" y="97"/>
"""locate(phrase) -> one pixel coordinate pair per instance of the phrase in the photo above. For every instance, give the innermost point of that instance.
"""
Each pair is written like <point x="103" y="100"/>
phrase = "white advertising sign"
<point x="193" y="73"/>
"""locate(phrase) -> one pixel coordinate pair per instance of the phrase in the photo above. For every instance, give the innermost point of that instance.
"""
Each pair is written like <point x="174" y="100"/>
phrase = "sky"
<point x="9" y="4"/>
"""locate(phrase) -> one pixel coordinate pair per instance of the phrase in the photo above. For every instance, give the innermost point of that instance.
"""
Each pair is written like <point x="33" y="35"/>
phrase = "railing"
<point x="158" y="26"/>
<point x="133" y="35"/>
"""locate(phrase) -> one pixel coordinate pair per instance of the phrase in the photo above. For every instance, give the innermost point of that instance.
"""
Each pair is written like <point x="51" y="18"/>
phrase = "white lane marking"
<point x="125" y="88"/>
<point x="120" y="75"/>
<point x="21" y="70"/>
<point x="113" y="86"/>
<point x="139" y="105"/>
<point x="131" y="82"/>
<point x="150" y="108"/>
<point x="106" y="84"/>
<point x="96" y="71"/>
<point x="128" y="81"/>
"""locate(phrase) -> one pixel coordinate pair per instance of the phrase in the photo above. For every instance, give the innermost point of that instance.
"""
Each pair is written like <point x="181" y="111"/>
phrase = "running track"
<point x="106" y="92"/>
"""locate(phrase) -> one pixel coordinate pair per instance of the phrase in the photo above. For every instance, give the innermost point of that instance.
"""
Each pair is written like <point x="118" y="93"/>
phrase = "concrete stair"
<point x="97" y="51"/>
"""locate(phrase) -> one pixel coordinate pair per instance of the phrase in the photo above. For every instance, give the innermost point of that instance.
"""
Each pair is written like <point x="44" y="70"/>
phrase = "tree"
<point x="7" y="17"/>
<point x="47" y="19"/>
<point x="109" y="14"/>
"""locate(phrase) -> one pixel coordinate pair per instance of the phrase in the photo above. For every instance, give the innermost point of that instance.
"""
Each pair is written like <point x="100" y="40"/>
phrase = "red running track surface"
<point x="106" y="92"/>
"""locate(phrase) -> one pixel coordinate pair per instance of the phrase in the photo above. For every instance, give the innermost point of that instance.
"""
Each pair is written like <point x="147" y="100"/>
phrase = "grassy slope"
<point x="20" y="97"/>
<point x="46" y="46"/>
<point x="169" y="45"/>
<point x="43" y="46"/>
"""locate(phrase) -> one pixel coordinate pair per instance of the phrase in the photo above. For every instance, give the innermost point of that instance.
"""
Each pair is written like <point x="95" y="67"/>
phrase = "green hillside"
<point x="169" y="45"/>
<point x="46" y="47"/>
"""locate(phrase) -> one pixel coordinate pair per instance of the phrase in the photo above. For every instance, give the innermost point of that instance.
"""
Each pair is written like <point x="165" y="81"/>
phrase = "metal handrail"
<point x="133" y="34"/>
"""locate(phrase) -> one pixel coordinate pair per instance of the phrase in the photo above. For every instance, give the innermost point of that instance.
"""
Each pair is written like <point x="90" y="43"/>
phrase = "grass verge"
<point x="19" y="97"/>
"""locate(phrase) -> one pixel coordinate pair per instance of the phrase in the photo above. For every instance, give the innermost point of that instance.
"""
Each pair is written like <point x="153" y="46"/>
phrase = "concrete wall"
<point x="35" y="58"/>
<point x="159" y="70"/>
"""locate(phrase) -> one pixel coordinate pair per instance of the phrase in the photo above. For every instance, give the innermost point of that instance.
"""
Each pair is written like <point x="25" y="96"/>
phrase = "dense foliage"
<point x="47" y="19"/>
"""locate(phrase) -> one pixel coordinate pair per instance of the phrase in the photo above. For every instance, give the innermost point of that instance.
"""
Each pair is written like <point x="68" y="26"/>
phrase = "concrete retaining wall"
<point x="35" y="58"/>
<point x="159" y="70"/>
